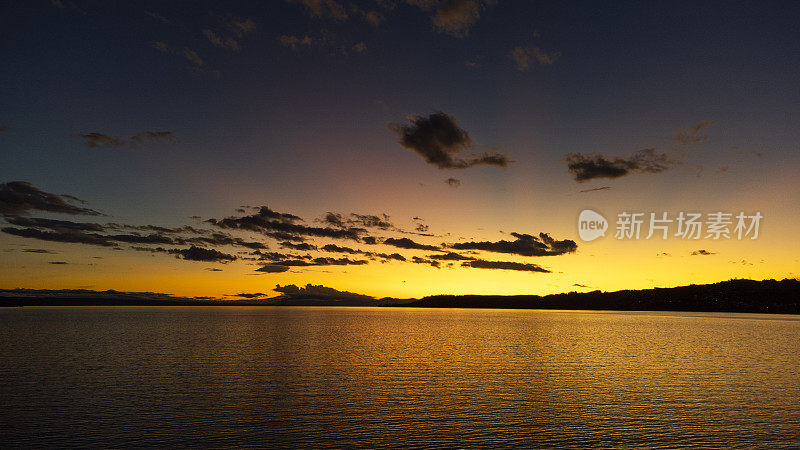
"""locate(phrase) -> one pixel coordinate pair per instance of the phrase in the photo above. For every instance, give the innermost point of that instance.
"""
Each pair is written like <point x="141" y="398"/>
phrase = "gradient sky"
<point x="300" y="106"/>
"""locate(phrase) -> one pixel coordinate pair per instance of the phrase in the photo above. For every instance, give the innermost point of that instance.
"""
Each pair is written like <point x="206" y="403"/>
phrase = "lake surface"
<point x="343" y="377"/>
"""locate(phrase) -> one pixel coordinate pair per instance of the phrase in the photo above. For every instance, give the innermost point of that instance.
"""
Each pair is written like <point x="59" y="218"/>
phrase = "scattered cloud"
<point x="374" y="17"/>
<point x="595" y="165"/>
<point x="196" y="243"/>
<point x="702" y="253"/>
<point x="160" y="46"/>
<point x="157" y="17"/>
<point x="325" y="9"/>
<point x="192" y="57"/>
<point x="295" y="42"/>
<point x="221" y="41"/>
<point x="439" y="140"/>
<point x="453" y="182"/>
<point x="240" y="26"/>
<point x="453" y="17"/>
<point x="524" y="56"/>
<point x="360" y="47"/>
<point x="38" y="250"/>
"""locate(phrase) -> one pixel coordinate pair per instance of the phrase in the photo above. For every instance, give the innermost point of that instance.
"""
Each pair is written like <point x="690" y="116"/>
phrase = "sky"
<point x="394" y="148"/>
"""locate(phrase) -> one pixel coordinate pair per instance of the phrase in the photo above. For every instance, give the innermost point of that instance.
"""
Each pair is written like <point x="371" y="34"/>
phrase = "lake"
<point x="370" y="377"/>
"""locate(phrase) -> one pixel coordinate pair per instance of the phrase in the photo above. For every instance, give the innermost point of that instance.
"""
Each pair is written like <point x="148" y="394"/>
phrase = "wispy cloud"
<point x="102" y="140"/>
<point x="523" y="57"/>
<point x="595" y="165"/>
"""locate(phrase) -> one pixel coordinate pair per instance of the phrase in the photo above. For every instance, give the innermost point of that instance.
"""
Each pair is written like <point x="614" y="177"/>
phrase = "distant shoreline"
<point x="742" y="296"/>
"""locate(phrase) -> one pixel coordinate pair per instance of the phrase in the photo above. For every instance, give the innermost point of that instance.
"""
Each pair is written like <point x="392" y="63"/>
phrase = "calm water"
<point x="232" y="376"/>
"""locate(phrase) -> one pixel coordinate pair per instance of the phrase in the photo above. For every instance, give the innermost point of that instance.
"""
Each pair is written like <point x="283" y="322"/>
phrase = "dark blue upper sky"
<point x="297" y="103"/>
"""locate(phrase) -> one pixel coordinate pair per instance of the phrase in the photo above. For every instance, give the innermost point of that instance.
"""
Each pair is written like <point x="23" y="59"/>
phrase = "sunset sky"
<point x="392" y="148"/>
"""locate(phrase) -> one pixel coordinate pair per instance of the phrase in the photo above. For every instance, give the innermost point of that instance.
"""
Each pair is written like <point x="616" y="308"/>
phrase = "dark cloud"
<point x="37" y="250"/>
<point x="202" y="254"/>
<point x="504" y="265"/>
<point x="316" y="291"/>
<point x="57" y="236"/>
<point x="439" y="140"/>
<point x="108" y="235"/>
<point x="20" y="197"/>
<point x="702" y="253"/>
<point x="524" y="245"/>
<point x="100" y="140"/>
<point x="453" y="182"/>
<point x="337" y="249"/>
<point x="272" y="256"/>
<point x="357" y="220"/>
<point x="432" y="263"/>
<point x="370" y="221"/>
<point x="53" y="224"/>
<point x="333" y="248"/>
<point x="283" y="226"/>
<point x="451" y="257"/>
<point x="393" y="256"/>
<point x="302" y="247"/>
<point x="407" y="243"/>
<point x="338" y="262"/>
<point x="58" y="262"/>
<point x="253" y="295"/>
<point x="595" y="165"/>
<point x="272" y="268"/>
<point x="3" y="128"/>
<point x="369" y="240"/>
<point x="604" y="188"/>
<point x="223" y="239"/>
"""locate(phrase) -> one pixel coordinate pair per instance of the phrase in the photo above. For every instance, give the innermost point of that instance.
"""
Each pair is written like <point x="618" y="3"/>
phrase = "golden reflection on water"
<point x="401" y="376"/>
